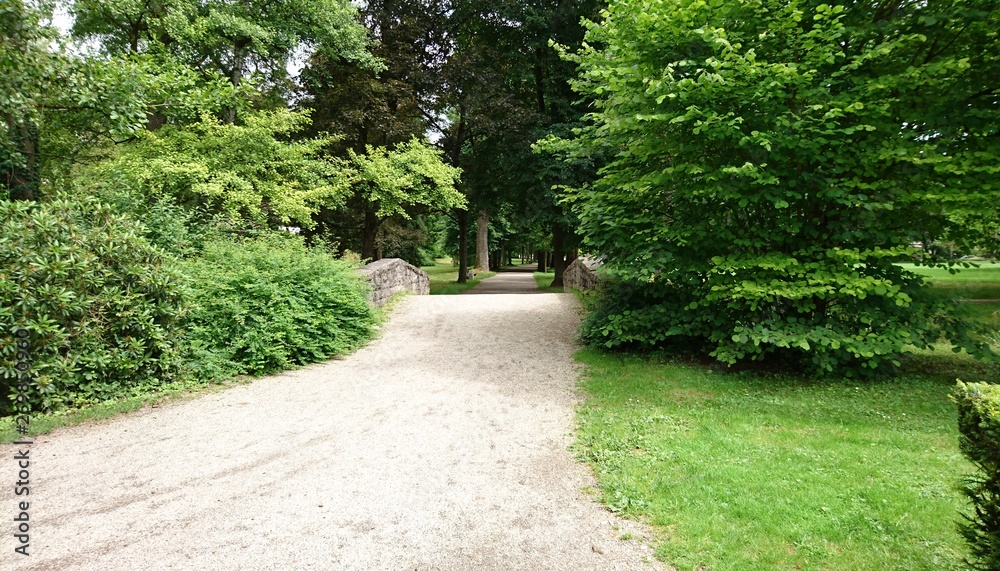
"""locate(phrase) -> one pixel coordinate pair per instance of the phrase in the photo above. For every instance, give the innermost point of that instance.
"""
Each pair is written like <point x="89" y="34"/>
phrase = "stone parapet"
<point x="582" y="274"/>
<point x="391" y="276"/>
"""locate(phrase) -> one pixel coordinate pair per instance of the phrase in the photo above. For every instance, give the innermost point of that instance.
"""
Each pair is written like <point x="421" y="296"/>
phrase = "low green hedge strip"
<point x="979" y="440"/>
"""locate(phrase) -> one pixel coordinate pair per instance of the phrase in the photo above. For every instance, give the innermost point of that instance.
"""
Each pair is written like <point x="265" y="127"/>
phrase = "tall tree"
<point x="509" y="88"/>
<point x="28" y="67"/>
<point x="377" y="110"/>
<point x="387" y="106"/>
<point x="232" y="38"/>
<point x="769" y="160"/>
<point x="394" y="181"/>
<point x="59" y="105"/>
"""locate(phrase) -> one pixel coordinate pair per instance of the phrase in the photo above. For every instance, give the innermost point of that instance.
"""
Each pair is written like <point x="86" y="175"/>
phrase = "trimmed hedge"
<point x="979" y="425"/>
<point x="99" y="303"/>
<point x="267" y="304"/>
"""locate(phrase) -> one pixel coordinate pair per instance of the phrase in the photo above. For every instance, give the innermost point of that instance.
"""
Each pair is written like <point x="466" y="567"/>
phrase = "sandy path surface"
<point x="442" y="445"/>
<point x="507" y="281"/>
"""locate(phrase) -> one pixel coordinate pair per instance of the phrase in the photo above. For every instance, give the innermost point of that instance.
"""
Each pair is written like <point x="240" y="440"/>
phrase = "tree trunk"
<point x="542" y="255"/>
<point x="558" y="256"/>
<point x="370" y="235"/>
<point x="21" y="180"/>
<point x="455" y="154"/>
<point x="155" y="120"/>
<point x="572" y="256"/>
<point x="463" y="246"/>
<point x="236" y="76"/>
<point x="539" y="80"/>
<point x="483" y="241"/>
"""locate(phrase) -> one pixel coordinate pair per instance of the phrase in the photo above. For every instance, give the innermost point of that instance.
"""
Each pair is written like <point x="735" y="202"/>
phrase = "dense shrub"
<point x="811" y="316"/>
<point x="266" y="304"/>
<point x="178" y="230"/>
<point x="99" y="303"/>
<point x="979" y="425"/>
<point x="760" y="186"/>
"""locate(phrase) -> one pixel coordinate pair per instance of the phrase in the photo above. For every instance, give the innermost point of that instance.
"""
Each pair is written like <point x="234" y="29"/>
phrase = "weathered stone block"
<point x="391" y="276"/>
<point x="582" y="274"/>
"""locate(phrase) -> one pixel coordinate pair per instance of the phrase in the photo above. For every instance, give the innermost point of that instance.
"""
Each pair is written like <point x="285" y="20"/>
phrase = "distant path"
<point x="441" y="446"/>
<point x="515" y="280"/>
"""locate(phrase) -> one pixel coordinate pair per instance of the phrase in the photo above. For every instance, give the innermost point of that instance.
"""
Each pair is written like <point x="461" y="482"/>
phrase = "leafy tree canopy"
<point x="412" y="174"/>
<point x="248" y="171"/>
<point x="231" y="37"/>
<point x="58" y="105"/>
<point x="770" y="161"/>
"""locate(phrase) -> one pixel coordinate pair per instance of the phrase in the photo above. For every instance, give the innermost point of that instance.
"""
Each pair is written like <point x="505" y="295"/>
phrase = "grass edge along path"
<point x="44" y="423"/>
<point x="543" y="279"/>
<point x="746" y="472"/>
<point x="443" y="276"/>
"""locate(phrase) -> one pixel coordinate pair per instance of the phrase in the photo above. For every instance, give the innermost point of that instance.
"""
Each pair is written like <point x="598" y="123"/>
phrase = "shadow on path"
<point x="508" y="280"/>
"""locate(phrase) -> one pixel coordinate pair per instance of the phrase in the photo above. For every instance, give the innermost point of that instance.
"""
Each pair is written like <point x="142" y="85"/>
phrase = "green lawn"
<point x="741" y="471"/>
<point x="543" y="279"/>
<point x="444" y="275"/>
<point x="982" y="282"/>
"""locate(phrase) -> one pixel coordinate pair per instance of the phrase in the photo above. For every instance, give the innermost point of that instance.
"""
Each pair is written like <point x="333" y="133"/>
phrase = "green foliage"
<point x="176" y="229"/>
<point x="264" y="305"/>
<point x="248" y="171"/>
<point x="409" y="240"/>
<point x="979" y="425"/>
<point x="100" y="303"/>
<point x="412" y="174"/>
<point x="57" y="105"/>
<point x="27" y="69"/>
<point x="769" y="162"/>
<point x="813" y="315"/>
<point x="230" y="37"/>
<point x="388" y="106"/>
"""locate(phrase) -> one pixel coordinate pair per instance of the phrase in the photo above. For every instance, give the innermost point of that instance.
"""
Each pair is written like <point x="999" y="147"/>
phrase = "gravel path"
<point x="442" y="445"/>
<point x="507" y="281"/>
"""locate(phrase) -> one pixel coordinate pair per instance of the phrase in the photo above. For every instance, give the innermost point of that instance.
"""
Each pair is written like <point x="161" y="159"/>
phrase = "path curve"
<point x="440" y="446"/>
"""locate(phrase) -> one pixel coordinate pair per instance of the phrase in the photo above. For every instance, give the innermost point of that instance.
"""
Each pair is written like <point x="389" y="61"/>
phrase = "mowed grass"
<point x="444" y="278"/>
<point x="982" y="282"/>
<point x="748" y="471"/>
<point x="740" y="472"/>
<point x="543" y="279"/>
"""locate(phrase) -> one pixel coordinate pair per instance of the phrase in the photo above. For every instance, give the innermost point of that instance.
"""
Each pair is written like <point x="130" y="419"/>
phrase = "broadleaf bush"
<point x="100" y="302"/>
<point x="759" y="186"/>
<point x="819" y="317"/>
<point x="270" y="303"/>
